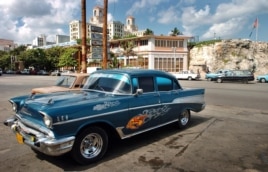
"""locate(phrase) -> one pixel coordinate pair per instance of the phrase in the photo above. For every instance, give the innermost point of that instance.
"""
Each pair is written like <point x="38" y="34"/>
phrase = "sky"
<point x="23" y="21"/>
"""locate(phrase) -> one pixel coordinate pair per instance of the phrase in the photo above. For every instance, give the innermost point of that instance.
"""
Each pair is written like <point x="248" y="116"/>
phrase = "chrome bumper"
<point x="38" y="140"/>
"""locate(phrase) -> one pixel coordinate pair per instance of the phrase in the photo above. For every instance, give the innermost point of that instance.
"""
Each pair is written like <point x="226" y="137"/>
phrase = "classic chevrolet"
<point x="65" y="82"/>
<point x="112" y="102"/>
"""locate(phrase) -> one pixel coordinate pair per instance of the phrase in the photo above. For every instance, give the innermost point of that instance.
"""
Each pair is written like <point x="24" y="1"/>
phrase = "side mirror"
<point x="139" y="91"/>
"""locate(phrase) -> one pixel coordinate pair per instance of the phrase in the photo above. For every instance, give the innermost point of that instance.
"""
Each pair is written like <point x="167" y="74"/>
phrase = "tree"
<point x="67" y="59"/>
<point x="128" y="49"/>
<point x="53" y="55"/>
<point x="114" y="62"/>
<point x="175" y="32"/>
<point x="148" y="32"/>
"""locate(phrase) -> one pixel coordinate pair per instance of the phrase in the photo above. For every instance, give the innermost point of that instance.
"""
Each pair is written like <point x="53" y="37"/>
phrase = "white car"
<point x="186" y="74"/>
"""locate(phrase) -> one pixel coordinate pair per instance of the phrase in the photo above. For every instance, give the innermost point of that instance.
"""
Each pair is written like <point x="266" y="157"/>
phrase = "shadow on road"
<point x="120" y="147"/>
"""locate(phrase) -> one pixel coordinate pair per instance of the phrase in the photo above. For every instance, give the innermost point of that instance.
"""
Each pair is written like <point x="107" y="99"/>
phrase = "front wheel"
<point x="184" y="118"/>
<point x="90" y="145"/>
<point x="219" y="80"/>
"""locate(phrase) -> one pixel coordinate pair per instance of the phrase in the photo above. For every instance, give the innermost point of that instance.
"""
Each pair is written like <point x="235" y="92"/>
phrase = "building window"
<point x="169" y="64"/>
<point x="180" y="43"/>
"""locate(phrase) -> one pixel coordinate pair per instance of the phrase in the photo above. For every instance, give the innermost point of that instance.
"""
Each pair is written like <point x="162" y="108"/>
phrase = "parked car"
<point x="25" y="72"/>
<point x="1" y="72"/>
<point x="56" y="73"/>
<point x="236" y="75"/>
<point x="213" y="76"/>
<point x="42" y="72"/>
<point x="65" y="82"/>
<point x="186" y="74"/>
<point x="120" y="103"/>
<point x="262" y="78"/>
<point x="10" y="72"/>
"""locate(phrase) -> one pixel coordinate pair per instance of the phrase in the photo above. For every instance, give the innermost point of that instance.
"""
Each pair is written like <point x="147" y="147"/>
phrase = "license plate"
<point x="19" y="138"/>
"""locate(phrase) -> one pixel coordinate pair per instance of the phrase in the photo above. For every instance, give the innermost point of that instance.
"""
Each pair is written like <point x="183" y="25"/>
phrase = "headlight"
<point x="47" y="120"/>
<point x="14" y="106"/>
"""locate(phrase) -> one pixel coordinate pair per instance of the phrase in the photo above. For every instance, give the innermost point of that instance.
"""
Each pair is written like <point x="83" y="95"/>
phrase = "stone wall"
<point x="230" y="54"/>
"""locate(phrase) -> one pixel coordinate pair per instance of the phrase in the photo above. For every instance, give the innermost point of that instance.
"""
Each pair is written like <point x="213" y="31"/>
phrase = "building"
<point x="75" y="28"/>
<point x="116" y="29"/>
<point x="62" y="39"/>
<point x="40" y="41"/>
<point x="7" y="45"/>
<point x="97" y="18"/>
<point x="167" y="53"/>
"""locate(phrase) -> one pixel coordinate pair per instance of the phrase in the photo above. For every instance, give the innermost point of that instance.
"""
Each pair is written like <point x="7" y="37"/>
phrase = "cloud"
<point x="148" y="5"/>
<point x="226" y="29"/>
<point x="227" y="20"/>
<point x="171" y="15"/>
<point x="24" y="20"/>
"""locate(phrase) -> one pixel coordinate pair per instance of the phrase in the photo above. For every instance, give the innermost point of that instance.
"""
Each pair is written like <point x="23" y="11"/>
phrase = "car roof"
<point x="75" y="74"/>
<point x="139" y="72"/>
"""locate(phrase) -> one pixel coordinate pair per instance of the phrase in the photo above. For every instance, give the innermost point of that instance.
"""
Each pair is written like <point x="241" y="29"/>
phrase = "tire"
<point x="209" y="79"/>
<point x="262" y="80"/>
<point x="245" y="81"/>
<point x="219" y="80"/>
<point x="189" y="78"/>
<point x="90" y="145"/>
<point x="184" y="118"/>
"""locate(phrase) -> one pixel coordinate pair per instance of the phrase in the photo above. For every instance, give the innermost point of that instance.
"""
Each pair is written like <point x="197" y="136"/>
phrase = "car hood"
<point x="72" y="103"/>
<point x="64" y="98"/>
<point x="50" y="89"/>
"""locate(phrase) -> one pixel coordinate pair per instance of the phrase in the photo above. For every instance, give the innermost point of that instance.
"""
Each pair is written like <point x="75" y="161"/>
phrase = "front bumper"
<point x="38" y="140"/>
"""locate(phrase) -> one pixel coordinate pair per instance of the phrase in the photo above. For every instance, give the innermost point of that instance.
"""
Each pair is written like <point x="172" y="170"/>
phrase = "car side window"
<point x="145" y="83"/>
<point x="164" y="84"/>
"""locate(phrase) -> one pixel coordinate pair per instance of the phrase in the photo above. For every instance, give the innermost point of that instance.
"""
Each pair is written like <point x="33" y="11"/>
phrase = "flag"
<point x="255" y="24"/>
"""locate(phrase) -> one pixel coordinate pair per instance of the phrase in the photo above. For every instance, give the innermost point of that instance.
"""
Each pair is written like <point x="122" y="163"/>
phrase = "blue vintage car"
<point x="112" y="102"/>
<point x="213" y="76"/>
<point x="262" y="78"/>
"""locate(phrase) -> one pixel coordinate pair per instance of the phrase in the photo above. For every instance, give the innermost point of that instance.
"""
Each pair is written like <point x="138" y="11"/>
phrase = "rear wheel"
<point x="90" y="145"/>
<point x="262" y="80"/>
<point x="189" y="78"/>
<point x="184" y="118"/>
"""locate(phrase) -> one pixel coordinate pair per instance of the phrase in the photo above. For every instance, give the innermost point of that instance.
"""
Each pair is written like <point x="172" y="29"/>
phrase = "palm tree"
<point x="128" y="49"/>
<point x="175" y="32"/>
<point x="148" y="32"/>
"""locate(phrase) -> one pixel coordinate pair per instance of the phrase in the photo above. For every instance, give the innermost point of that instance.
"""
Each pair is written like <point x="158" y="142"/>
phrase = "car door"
<point x="143" y="108"/>
<point x="168" y="91"/>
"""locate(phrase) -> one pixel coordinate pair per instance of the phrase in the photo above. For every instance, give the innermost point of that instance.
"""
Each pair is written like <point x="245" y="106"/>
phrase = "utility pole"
<point x="84" y="37"/>
<point x="104" y="36"/>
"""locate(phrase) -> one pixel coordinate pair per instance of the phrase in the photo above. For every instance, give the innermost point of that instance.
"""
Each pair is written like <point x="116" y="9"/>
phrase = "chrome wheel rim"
<point x="184" y="118"/>
<point x="91" y="145"/>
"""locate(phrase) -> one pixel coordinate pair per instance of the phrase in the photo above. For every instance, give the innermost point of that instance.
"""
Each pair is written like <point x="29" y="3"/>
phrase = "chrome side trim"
<point x="123" y="136"/>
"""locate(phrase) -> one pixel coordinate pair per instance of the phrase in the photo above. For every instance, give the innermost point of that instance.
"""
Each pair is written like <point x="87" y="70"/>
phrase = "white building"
<point x="75" y="28"/>
<point x="116" y="29"/>
<point x="167" y="53"/>
<point x="40" y="41"/>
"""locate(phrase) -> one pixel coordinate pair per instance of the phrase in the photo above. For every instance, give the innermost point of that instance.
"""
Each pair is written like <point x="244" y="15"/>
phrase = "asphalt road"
<point x="231" y="134"/>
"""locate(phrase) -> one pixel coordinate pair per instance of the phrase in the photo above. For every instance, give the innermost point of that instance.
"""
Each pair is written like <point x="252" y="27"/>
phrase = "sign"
<point x="96" y="29"/>
<point x="96" y="36"/>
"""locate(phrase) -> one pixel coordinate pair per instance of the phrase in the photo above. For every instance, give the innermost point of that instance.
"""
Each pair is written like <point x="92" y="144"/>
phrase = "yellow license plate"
<point x="19" y="138"/>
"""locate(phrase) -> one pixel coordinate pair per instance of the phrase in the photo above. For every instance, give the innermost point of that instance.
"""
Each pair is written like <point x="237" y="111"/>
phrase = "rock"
<point x="230" y="54"/>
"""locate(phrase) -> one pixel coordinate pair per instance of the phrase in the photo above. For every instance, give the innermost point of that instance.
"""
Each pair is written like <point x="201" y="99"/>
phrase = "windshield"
<point x="114" y="83"/>
<point x="65" y="81"/>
